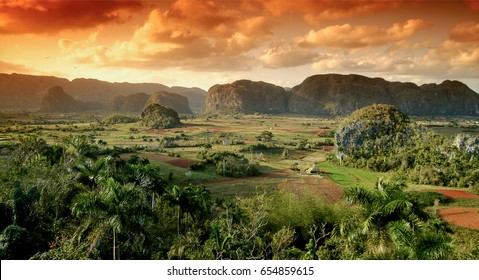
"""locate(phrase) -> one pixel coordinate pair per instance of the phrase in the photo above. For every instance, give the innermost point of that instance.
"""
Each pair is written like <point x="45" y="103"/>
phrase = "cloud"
<point x="216" y="29"/>
<point x="52" y="16"/>
<point x="218" y="37"/>
<point x="448" y="60"/>
<point x="348" y="36"/>
<point x="7" y="67"/>
<point x="282" y="55"/>
<point x="84" y="51"/>
<point x="465" y="32"/>
<point x="458" y="54"/>
<point x="316" y="12"/>
<point x="474" y="5"/>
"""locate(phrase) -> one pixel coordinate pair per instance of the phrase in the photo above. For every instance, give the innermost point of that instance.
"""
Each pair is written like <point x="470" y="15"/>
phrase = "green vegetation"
<point x="119" y="118"/>
<point x="73" y="187"/>
<point x="373" y="131"/>
<point x="157" y="116"/>
<point x="381" y="138"/>
<point x="227" y="164"/>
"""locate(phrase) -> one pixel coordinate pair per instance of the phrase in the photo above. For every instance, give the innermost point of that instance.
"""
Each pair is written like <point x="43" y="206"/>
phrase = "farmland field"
<point x="294" y="144"/>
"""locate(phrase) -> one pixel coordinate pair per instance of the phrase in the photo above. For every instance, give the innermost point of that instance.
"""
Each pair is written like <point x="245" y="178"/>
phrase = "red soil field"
<point x="463" y="217"/>
<point x="456" y="194"/>
<point x="459" y="216"/>
<point x="314" y="185"/>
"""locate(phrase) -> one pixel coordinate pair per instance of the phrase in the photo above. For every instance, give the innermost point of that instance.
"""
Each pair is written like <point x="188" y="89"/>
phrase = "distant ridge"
<point x="335" y="94"/>
<point x="325" y="94"/>
<point x="25" y="92"/>
<point x="58" y="101"/>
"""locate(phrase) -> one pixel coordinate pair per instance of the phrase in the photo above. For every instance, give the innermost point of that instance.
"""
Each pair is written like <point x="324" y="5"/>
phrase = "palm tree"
<point x="393" y="223"/>
<point x="178" y="197"/>
<point x="114" y="207"/>
<point x="190" y="200"/>
<point x="89" y="172"/>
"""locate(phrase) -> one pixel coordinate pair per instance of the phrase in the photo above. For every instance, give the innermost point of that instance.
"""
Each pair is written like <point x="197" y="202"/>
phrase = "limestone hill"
<point x="56" y="100"/>
<point x="334" y="94"/>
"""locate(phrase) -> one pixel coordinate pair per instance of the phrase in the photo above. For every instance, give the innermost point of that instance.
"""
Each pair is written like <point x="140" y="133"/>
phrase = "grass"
<point x="347" y="176"/>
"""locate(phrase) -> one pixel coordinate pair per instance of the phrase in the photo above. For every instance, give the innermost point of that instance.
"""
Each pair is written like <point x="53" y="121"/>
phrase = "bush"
<point x="236" y="167"/>
<point x="119" y="118"/>
<point x="227" y="164"/>
<point x="426" y="199"/>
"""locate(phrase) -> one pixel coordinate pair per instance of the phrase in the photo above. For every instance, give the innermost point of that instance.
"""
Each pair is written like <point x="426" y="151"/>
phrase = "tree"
<point x="89" y="172"/>
<point x="157" y="116"/>
<point x="114" y="207"/>
<point x="394" y="225"/>
<point x="192" y="200"/>
<point x="14" y="243"/>
<point x="265" y="136"/>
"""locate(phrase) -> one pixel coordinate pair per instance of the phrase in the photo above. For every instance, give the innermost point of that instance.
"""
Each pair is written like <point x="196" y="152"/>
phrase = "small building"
<point x="226" y="143"/>
<point x="313" y="169"/>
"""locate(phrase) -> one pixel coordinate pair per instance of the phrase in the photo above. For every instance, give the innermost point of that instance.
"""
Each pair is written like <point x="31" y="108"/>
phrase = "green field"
<point x="296" y="144"/>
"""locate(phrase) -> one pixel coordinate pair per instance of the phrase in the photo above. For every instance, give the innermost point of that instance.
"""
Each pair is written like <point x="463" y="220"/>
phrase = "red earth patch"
<point x="456" y="194"/>
<point x="463" y="217"/>
<point x="314" y="185"/>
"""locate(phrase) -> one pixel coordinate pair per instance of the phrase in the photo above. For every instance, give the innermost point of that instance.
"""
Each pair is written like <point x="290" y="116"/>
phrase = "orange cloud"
<point x="7" y="67"/>
<point x="280" y="56"/>
<point x="314" y="12"/>
<point x="474" y="5"/>
<point x="188" y="34"/>
<point x="52" y="16"/>
<point x="465" y="32"/>
<point x="216" y="29"/>
<point x="348" y="36"/>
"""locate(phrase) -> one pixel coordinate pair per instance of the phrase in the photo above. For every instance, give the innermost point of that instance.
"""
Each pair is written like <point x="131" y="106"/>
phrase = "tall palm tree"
<point x="190" y="200"/>
<point x="393" y="223"/>
<point x="179" y="197"/>
<point x="114" y="207"/>
<point x="89" y="172"/>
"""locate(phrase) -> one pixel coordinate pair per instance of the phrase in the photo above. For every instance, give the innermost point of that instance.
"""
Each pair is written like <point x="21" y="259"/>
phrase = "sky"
<point x="202" y="43"/>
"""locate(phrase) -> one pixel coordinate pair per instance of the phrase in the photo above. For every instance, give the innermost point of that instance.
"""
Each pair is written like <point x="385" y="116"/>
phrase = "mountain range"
<point x="334" y="94"/>
<point x="25" y="92"/>
<point x="325" y="94"/>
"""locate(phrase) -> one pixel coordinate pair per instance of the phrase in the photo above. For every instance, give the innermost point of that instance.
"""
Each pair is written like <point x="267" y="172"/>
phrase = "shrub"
<point x="236" y="167"/>
<point x="119" y="118"/>
<point x="227" y="164"/>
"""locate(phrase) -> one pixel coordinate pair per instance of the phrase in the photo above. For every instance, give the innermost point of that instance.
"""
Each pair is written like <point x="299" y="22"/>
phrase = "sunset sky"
<point x="202" y="43"/>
